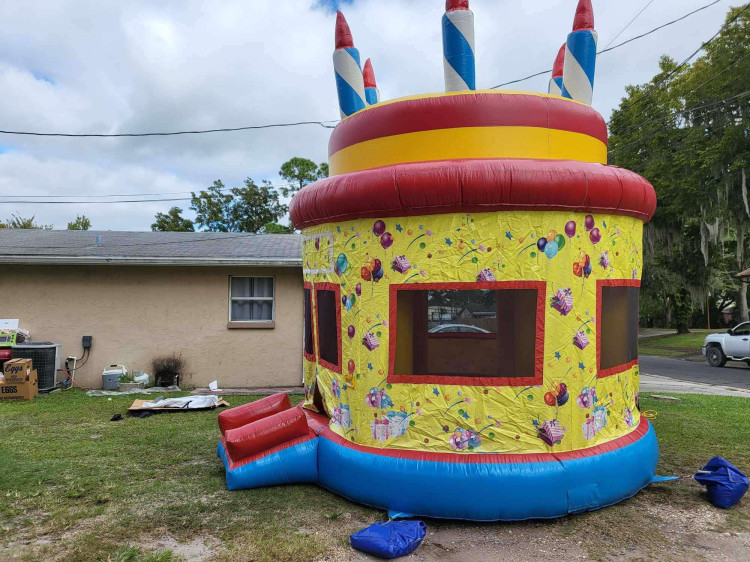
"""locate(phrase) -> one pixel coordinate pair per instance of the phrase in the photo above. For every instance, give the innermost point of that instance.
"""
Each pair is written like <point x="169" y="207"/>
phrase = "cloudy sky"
<point x="86" y="66"/>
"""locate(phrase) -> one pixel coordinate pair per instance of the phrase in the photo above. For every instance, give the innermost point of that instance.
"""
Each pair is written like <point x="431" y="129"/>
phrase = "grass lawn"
<point x="674" y="345"/>
<point x="75" y="486"/>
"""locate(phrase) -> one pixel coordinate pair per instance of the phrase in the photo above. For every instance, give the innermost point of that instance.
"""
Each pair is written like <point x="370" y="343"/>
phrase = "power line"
<point x="671" y="114"/>
<point x="134" y="194"/>
<point x="639" y="139"/>
<point x="106" y="245"/>
<point x="37" y="202"/>
<point x="684" y="62"/>
<point x="698" y="87"/>
<point x="113" y="202"/>
<point x="658" y="28"/>
<point x="606" y="50"/>
<point x="171" y="133"/>
<point x="629" y="24"/>
<point x="324" y="123"/>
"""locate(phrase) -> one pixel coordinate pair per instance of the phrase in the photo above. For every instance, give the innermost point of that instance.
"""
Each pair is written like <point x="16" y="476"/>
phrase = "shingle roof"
<point x="167" y="248"/>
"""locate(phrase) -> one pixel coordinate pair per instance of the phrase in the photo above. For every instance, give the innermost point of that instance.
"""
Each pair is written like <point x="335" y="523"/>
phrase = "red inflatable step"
<point x="248" y="413"/>
<point x="260" y="435"/>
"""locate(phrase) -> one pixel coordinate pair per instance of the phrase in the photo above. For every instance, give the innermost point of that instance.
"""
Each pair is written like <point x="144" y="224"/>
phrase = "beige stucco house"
<point x="229" y="303"/>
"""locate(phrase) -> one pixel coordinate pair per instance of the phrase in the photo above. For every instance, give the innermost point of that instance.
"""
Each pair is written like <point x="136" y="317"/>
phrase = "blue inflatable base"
<point x="484" y="491"/>
<point x="293" y="465"/>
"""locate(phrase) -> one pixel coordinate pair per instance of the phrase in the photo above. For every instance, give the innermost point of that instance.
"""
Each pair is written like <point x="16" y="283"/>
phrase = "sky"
<point x="86" y="66"/>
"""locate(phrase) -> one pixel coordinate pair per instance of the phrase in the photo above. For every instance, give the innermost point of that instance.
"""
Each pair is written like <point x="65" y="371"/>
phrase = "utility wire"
<point x="642" y="138"/>
<point x="606" y="50"/>
<point x="673" y="113"/>
<point x="629" y="24"/>
<point x="324" y="123"/>
<point x="684" y="62"/>
<point x="106" y="245"/>
<point x="38" y="202"/>
<point x="698" y="87"/>
<point x="138" y="194"/>
<point x="172" y="133"/>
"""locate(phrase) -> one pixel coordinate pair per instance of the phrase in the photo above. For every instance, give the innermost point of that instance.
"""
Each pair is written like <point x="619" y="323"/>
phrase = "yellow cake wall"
<point x="455" y="248"/>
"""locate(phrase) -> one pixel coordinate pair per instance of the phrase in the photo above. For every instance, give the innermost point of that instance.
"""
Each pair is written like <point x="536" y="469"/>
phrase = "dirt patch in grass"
<point x="153" y="490"/>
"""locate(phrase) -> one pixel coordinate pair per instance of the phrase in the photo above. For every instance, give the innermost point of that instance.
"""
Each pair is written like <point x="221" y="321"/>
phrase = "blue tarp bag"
<point x="724" y="482"/>
<point x="390" y="539"/>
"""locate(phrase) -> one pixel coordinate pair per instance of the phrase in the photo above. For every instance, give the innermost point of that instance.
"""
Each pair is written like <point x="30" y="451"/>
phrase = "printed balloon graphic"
<point x="351" y="331"/>
<point x="589" y="222"/>
<point x="570" y="229"/>
<point x="560" y="239"/>
<point x="378" y="228"/>
<point x="541" y="244"/>
<point x="351" y="366"/>
<point x="386" y="240"/>
<point x="595" y="235"/>
<point x="550" y="250"/>
<point x="342" y="263"/>
<point x="358" y="289"/>
<point x="365" y="273"/>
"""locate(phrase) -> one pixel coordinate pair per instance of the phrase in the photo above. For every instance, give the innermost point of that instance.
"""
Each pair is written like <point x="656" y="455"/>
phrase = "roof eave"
<point x="161" y="261"/>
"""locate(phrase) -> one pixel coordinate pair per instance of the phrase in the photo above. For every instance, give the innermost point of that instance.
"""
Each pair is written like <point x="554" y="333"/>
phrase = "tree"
<point x="82" y="222"/>
<point x="717" y="147"/>
<point x="276" y="228"/>
<point x="685" y="131"/>
<point x="16" y="221"/>
<point x="172" y="221"/>
<point x="301" y="172"/>
<point x="241" y="209"/>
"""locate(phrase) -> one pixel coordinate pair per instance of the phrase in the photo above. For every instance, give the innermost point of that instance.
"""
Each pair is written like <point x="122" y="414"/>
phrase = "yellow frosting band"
<point x="468" y="142"/>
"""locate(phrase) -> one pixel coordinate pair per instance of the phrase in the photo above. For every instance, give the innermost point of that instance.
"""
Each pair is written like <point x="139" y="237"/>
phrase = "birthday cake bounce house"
<point x="471" y="276"/>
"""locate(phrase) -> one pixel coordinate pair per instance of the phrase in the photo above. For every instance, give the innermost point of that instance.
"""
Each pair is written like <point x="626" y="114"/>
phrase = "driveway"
<point x="734" y="374"/>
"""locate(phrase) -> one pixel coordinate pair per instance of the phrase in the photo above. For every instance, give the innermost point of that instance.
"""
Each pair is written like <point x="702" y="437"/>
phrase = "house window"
<point x="309" y="340"/>
<point x="328" y="325"/>
<point x="251" y="299"/>
<point x="617" y="329"/>
<point x="485" y="334"/>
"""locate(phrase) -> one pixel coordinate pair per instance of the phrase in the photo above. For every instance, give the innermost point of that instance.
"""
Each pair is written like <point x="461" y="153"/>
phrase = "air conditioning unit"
<point x="46" y="358"/>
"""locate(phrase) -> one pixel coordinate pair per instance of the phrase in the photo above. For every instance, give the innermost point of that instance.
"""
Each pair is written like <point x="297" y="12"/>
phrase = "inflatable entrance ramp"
<point x="265" y="443"/>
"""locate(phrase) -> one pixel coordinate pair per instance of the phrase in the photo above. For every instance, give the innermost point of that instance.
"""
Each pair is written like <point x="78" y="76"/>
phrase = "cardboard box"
<point x="17" y="370"/>
<point x="20" y="391"/>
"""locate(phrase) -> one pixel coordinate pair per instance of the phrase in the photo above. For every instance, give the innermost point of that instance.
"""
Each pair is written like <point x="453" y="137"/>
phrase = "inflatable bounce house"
<point x="471" y="279"/>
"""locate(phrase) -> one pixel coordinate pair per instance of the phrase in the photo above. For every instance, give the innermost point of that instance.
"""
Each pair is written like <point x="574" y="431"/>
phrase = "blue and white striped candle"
<point x="580" y="56"/>
<point x="556" y="82"/>
<point x="372" y="95"/>
<point x="349" y="82"/>
<point x="458" y="46"/>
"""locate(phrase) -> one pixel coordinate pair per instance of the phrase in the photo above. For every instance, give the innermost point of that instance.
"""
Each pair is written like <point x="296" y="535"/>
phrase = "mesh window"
<point x="328" y="338"/>
<point x="473" y="333"/>
<point x="309" y="346"/>
<point x="618" y="326"/>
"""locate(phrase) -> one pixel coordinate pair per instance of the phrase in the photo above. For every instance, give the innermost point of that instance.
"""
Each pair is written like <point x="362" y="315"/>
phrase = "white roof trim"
<point x="175" y="261"/>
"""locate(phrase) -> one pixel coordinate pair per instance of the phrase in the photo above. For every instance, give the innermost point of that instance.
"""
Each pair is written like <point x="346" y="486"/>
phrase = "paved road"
<point x="736" y="374"/>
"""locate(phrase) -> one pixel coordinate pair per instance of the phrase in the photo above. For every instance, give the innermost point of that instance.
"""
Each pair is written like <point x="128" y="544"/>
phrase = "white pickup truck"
<point x="734" y="345"/>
